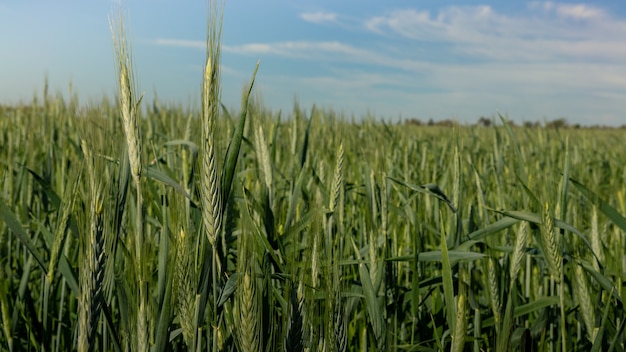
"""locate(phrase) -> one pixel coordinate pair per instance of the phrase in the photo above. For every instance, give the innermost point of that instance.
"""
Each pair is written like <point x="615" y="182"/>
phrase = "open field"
<point x="321" y="224"/>
<point x="173" y="229"/>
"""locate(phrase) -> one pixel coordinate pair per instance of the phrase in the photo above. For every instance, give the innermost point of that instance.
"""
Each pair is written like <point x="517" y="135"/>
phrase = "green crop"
<point x="168" y="228"/>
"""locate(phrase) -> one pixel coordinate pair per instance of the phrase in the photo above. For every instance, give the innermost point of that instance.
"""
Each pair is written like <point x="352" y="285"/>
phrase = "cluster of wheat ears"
<point x="166" y="229"/>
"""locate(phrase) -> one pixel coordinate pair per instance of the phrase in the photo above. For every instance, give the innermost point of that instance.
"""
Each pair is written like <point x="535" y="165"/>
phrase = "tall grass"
<point x="171" y="228"/>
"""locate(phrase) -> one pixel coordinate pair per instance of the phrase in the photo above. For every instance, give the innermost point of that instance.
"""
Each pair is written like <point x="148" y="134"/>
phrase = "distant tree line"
<point x="559" y="123"/>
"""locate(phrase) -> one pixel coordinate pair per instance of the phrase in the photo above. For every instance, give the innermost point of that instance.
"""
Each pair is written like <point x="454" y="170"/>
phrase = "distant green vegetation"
<point x="173" y="229"/>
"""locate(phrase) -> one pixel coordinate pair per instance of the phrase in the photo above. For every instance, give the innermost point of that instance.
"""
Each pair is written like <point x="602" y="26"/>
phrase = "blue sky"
<point x="423" y="59"/>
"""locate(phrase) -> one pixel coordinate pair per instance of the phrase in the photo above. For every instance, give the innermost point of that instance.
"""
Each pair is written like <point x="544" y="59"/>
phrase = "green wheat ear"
<point x="129" y="105"/>
<point x="550" y="243"/>
<point x="494" y="290"/>
<point x="184" y="287"/>
<point x="211" y="91"/>
<point x="93" y="259"/>
<point x="585" y="302"/>
<point x="237" y="241"/>
<point x="129" y="102"/>
<point x="521" y="241"/>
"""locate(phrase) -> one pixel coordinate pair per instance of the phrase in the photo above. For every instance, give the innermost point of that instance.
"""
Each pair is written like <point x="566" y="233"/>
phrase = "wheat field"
<point x="135" y="226"/>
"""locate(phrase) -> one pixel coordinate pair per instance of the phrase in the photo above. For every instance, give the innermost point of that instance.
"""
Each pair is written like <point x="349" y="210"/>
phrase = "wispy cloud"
<point x="296" y="48"/>
<point x="550" y="31"/>
<point x="573" y="11"/>
<point x="549" y="60"/>
<point x="333" y="51"/>
<point x="288" y="48"/>
<point x="181" y="43"/>
<point x="319" y="17"/>
<point x="453" y="76"/>
<point x="579" y="12"/>
<point x="492" y="76"/>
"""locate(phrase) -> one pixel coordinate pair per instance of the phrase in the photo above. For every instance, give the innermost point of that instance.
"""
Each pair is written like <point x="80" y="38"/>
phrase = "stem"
<point x="143" y="333"/>
<point x="214" y="322"/>
<point x="139" y="231"/>
<point x="562" y="304"/>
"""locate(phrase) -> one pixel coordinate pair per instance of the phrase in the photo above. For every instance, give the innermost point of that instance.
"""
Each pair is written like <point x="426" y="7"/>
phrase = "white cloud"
<point x="319" y="17"/>
<point x="450" y="24"/>
<point x="573" y="11"/>
<point x="310" y="49"/>
<point x="527" y="89"/>
<point x="539" y="74"/>
<point x="288" y="48"/>
<point x="553" y="60"/>
<point x="579" y="12"/>
<point x="550" y="32"/>
<point x="251" y="48"/>
<point x="330" y="51"/>
<point x="183" y="43"/>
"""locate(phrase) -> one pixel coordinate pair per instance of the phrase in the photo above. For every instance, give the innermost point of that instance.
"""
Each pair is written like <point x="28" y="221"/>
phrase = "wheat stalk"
<point x="337" y="180"/>
<point x="4" y="308"/>
<point x="127" y="96"/>
<point x="248" y="313"/>
<point x="460" y="327"/>
<point x="211" y="199"/>
<point x="375" y="268"/>
<point x="61" y="229"/>
<point x="128" y="106"/>
<point x="210" y="182"/>
<point x="596" y="240"/>
<point x="585" y="302"/>
<point x="494" y="290"/>
<point x="184" y="287"/>
<point x="550" y="244"/>
<point x="211" y="193"/>
<point x="337" y="329"/>
<point x="189" y="157"/>
<point x="92" y="273"/>
<point x="92" y="289"/>
<point x="264" y="160"/>
<point x="554" y="257"/>
<point x="341" y="337"/>
<point x="518" y="252"/>
<point x="315" y="259"/>
<point x="142" y="324"/>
